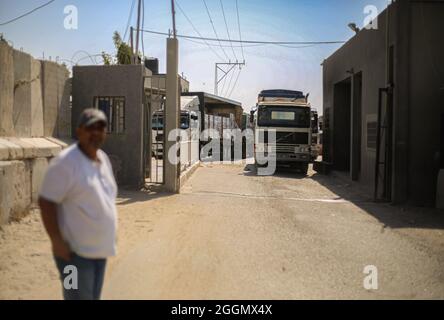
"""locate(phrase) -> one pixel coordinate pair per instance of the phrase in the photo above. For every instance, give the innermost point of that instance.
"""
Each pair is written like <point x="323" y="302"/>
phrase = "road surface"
<point x="233" y="235"/>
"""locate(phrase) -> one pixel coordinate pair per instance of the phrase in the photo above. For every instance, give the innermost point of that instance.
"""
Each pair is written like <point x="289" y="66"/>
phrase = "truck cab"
<point x="288" y="114"/>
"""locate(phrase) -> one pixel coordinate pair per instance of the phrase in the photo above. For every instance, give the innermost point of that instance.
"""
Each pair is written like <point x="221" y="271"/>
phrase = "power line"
<point x="27" y="13"/>
<point x="226" y="26"/>
<point x="229" y="84"/>
<point x="129" y="20"/>
<point x="248" y="41"/>
<point x="246" y="46"/>
<point x="240" y="34"/>
<point x="214" y="29"/>
<point x="235" y="83"/>
<point x="197" y="31"/>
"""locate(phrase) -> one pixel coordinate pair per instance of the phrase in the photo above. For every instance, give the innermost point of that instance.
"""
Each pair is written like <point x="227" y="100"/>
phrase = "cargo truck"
<point x="288" y="114"/>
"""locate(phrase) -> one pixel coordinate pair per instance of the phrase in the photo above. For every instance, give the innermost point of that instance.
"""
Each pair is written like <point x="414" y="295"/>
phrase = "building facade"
<point x="383" y="104"/>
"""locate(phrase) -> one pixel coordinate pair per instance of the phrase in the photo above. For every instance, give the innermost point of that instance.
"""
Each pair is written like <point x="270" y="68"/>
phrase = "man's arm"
<point x="48" y="211"/>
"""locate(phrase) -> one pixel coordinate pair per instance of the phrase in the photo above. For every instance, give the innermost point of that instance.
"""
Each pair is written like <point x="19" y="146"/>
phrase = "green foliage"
<point x="107" y="59"/>
<point x="123" y="52"/>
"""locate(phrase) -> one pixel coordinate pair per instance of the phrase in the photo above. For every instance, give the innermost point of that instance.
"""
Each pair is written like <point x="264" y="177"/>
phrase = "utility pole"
<point x="231" y="66"/>
<point x="173" y="14"/>
<point x="172" y="114"/>
<point x="138" y="30"/>
<point x="133" y="61"/>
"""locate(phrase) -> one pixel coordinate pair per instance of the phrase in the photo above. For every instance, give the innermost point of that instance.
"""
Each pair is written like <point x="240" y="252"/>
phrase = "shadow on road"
<point x="282" y="172"/>
<point x="392" y="216"/>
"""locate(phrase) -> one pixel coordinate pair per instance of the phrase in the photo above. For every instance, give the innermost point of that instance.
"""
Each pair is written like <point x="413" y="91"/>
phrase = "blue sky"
<point x="267" y="67"/>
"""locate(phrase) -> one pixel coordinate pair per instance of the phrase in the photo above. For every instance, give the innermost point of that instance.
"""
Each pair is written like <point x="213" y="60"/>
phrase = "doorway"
<point x="342" y="126"/>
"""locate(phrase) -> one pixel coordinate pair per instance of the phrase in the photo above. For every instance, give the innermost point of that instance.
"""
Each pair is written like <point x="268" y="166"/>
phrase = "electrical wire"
<point x="247" y="41"/>
<point x="240" y="34"/>
<point x="196" y="30"/>
<point x="246" y="46"/>
<point x="27" y="13"/>
<point x="235" y="83"/>
<point x="226" y="26"/>
<point x="229" y="83"/>
<point x="214" y="29"/>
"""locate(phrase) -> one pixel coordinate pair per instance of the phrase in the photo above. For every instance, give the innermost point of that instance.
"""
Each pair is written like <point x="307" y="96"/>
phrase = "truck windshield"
<point x="279" y="116"/>
<point x="157" y="123"/>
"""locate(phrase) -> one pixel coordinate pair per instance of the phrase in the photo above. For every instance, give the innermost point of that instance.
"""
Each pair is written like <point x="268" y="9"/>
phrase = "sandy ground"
<point x="233" y="235"/>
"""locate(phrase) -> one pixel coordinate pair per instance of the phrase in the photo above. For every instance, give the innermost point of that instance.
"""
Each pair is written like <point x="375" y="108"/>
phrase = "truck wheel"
<point x="304" y="168"/>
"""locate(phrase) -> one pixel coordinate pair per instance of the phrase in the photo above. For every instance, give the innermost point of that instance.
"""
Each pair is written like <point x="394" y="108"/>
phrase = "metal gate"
<point x="155" y="138"/>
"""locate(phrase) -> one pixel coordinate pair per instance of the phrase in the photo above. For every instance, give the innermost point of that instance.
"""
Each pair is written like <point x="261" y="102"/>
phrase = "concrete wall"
<point x="365" y="53"/>
<point x="28" y="104"/>
<point x="426" y="97"/>
<point x="6" y="89"/>
<point x="34" y="96"/>
<point x="126" y="149"/>
<point x="56" y="100"/>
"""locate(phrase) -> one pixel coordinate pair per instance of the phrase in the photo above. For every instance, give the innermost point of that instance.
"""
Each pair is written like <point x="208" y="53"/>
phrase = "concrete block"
<point x="440" y="190"/>
<point x="43" y="147"/>
<point x="9" y="150"/>
<point x="28" y="150"/>
<point x="36" y="100"/>
<point x="27" y="106"/>
<point x="6" y="201"/>
<point x="55" y="96"/>
<point x="22" y="93"/>
<point x="15" y="190"/>
<point x="38" y="170"/>
<point x="64" y="121"/>
<point x="63" y="143"/>
<point x="6" y="89"/>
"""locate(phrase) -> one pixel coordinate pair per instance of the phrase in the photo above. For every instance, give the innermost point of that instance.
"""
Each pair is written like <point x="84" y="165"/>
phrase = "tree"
<point x="124" y="54"/>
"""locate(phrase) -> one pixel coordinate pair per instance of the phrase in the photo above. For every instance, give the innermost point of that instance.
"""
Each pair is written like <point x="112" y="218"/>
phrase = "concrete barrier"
<point x="56" y="92"/>
<point x="38" y="171"/>
<point x="440" y="190"/>
<point x="27" y="106"/>
<point x="23" y="164"/>
<point x="6" y="89"/>
<point x="15" y="190"/>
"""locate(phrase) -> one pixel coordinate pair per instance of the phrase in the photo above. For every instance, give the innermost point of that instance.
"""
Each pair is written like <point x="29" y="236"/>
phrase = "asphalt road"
<point x="233" y="235"/>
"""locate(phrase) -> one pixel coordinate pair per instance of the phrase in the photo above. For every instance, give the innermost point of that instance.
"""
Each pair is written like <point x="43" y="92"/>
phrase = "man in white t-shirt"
<point x="77" y="201"/>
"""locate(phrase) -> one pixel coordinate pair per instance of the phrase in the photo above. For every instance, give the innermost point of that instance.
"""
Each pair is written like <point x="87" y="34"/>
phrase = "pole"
<point x="172" y="114"/>
<point x="215" y="81"/>
<point x="132" y="45"/>
<point x="138" y="30"/>
<point x="173" y="13"/>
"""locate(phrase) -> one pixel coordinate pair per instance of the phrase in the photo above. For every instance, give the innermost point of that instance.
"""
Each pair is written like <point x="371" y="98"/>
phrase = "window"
<point x="114" y="109"/>
<point x="278" y="116"/>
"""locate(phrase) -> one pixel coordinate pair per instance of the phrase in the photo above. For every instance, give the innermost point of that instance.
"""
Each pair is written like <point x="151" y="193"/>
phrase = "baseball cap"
<point x="91" y="116"/>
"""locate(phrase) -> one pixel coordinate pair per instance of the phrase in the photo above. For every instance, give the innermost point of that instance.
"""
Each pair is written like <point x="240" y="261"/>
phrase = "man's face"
<point x="92" y="136"/>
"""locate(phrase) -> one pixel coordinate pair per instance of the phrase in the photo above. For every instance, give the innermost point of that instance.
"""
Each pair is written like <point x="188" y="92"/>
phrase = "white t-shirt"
<point x="85" y="191"/>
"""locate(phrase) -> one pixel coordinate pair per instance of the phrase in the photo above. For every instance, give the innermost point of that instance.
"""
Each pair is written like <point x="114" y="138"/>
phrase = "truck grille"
<point x="292" y="138"/>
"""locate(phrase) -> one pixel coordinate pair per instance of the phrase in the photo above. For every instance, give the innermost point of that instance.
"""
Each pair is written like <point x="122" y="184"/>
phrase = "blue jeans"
<point x="87" y="282"/>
